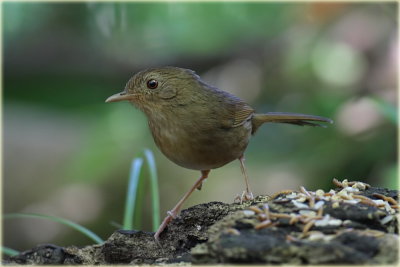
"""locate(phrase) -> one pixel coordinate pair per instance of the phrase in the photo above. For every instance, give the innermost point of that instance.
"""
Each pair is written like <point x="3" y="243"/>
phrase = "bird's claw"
<point x="246" y="196"/>
<point x="171" y="214"/>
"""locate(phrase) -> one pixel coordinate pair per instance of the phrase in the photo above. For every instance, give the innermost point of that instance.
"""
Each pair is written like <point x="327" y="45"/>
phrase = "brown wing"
<point x="243" y="112"/>
<point x="224" y="108"/>
<point x="233" y="112"/>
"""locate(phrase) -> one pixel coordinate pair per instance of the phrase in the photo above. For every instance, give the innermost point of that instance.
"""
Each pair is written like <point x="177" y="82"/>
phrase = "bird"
<point x="196" y="125"/>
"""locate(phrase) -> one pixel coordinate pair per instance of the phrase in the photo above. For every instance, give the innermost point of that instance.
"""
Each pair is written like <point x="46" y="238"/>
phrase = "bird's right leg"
<point x="174" y="212"/>
<point x="247" y="194"/>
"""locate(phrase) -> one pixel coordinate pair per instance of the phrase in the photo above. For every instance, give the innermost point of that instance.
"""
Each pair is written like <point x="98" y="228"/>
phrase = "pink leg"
<point x="174" y="212"/>
<point x="247" y="195"/>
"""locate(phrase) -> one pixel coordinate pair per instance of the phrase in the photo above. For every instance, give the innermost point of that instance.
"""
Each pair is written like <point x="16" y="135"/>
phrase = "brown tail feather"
<point x="292" y="118"/>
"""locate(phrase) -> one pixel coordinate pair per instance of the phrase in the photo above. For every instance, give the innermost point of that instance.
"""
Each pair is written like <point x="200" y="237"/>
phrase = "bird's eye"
<point x="152" y="84"/>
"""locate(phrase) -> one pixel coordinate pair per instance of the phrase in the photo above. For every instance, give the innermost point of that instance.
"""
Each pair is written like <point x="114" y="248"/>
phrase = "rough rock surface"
<point x="268" y="232"/>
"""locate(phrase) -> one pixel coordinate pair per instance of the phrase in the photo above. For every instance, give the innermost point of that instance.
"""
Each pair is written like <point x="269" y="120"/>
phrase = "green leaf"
<point x="131" y="193"/>
<point x="155" y="200"/>
<point x="66" y="222"/>
<point x="136" y="193"/>
<point x="140" y="200"/>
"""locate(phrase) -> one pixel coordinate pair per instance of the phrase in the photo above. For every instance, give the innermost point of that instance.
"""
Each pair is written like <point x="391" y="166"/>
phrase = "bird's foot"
<point x="246" y="196"/>
<point x="171" y="215"/>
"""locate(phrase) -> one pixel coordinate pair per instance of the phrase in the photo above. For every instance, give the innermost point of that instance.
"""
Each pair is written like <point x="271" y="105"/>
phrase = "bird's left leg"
<point x="247" y="194"/>
<point x="174" y="212"/>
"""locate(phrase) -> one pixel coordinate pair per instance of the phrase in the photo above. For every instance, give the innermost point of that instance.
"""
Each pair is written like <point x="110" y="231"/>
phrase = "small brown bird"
<point x="198" y="126"/>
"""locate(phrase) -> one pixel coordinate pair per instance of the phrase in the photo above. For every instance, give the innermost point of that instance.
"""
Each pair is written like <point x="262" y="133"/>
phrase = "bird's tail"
<point x="292" y="118"/>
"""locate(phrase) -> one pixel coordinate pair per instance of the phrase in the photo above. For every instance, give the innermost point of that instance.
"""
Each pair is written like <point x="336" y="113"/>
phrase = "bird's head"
<point x="154" y="88"/>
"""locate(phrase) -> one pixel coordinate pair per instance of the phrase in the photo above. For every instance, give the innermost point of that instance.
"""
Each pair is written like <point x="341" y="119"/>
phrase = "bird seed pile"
<point x="308" y="212"/>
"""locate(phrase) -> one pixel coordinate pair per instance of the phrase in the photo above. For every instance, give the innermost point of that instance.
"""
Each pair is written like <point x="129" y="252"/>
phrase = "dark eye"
<point x="152" y="84"/>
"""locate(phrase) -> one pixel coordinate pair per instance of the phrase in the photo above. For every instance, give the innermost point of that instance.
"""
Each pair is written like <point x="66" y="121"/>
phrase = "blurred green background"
<point x="67" y="153"/>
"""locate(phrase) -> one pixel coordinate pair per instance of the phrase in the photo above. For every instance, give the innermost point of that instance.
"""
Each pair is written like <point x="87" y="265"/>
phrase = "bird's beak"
<point x="120" y="97"/>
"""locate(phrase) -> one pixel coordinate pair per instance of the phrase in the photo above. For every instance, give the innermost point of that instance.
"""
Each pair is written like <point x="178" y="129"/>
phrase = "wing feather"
<point x="233" y="112"/>
<point x="243" y="112"/>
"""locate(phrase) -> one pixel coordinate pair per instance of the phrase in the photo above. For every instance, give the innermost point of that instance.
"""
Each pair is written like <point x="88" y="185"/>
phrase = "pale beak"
<point x="120" y="97"/>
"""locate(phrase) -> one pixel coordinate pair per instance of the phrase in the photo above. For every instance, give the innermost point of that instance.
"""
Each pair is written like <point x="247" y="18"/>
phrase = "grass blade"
<point x="66" y="222"/>
<point x="154" y="188"/>
<point x="9" y="251"/>
<point x="140" y="200"/>
<point x="131" y="194"/>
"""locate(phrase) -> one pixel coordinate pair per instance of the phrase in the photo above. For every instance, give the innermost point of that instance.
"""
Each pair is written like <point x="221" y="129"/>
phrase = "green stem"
<point x="154" y="188"/>
<point x="131" y="194"/>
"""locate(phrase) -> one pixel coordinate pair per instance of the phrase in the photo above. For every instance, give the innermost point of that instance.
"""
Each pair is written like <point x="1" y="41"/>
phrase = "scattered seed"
<point x="262" y="217"/>
<point x="292" y="195"/>
<point x="365" y="200"/>
<point x="385" y="198"/>
<point x="369" y="203"/>
<point x="308" y="226"/>
<point x="280" y="215"/>
<point x="319" y="193"/>
<point x="326" y="220"/>
<point x="362" y="197"/>
<point x="302" y="198"/>
<point x="308" y="213"/>
<point x="320" y="211"/>
<point x="299" y="205"/>
<point x="311" y="202"/>
<point x="351" y="189"/>
<point x="264" y="224"/>
<point x="307" y="220"/>
<point x="386" y="219"/>
<point x="345" y="183"/>
<point x="249" y="213"/>
<point x="319" y="204"/>
<point x="335" y="205"/>
<point x="335" y="222"/>
<point x="256" y="209"/>
<point x="374" y="233"/>
<point x="266" y="210"/>
<point x="281" y="200"/>
<point x="379" y="202"/>
<point x="233" y="231"/>
<point x="352" y="201"/>
<point x="293" y="220"/>
<point x="315" y="235"/>
<point x="343" y="194"/>
<point x="304" y="191"/>
<point x="337" y="183"/>
<point x="361" y="185"/>
<point x="282" y="192"/>
<point x="391" y="200"/>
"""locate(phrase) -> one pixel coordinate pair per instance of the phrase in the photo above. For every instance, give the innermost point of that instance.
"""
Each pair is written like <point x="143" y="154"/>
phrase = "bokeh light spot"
<point x="337" y="64"/>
